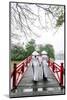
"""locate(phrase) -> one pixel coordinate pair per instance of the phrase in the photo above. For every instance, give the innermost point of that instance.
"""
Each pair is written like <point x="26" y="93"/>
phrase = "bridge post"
<point x="48" y="62"/>
<point x="28" y="59"/>
<point x="61" y="75"/>
<point x="22" y="68"/>
<point x="53" y="67"/>
<point x="14" y="77"/>
<point x="26" y="62"/>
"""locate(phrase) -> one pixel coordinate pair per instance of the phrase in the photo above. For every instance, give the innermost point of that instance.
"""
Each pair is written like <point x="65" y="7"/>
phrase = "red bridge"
<point x="22" y="84"/>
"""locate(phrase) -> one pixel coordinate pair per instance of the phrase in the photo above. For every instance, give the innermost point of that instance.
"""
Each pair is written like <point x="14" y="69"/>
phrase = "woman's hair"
<point x="35" y="56"/>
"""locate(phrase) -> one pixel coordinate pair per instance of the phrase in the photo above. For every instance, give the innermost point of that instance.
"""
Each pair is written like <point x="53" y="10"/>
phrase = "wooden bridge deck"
<point x="28" y="88"/>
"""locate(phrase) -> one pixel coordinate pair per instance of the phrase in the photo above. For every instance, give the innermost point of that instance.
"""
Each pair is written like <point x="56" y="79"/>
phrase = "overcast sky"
<point x="45" y="37"/>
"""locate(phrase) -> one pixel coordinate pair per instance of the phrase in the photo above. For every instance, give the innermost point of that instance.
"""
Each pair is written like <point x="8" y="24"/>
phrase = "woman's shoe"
<point x="44" y="78"/>
<point x="35" y="81"/>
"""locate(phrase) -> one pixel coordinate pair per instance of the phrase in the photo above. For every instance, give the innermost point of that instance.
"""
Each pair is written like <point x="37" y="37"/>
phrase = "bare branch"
<point x="23" y="17"/>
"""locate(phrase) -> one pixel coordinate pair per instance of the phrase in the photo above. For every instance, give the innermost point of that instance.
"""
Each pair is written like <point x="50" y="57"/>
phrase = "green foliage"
<point x="41" y="48"/>
<point x="19" y="53"/>
<point x="30" y="47"/>
<point x="49" y="49"/>
<point x="60" y="20"/>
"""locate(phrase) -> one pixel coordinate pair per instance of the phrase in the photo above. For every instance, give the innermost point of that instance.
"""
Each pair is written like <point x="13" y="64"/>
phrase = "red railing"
<point x="18" y="72"/>
<point x="57" y="70"/>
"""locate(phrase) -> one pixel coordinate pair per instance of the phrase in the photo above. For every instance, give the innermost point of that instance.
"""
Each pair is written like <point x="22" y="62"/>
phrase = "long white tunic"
<point x="40" y="60"/>
<point x="45" y="65"/>
<point x="35" y="67"/>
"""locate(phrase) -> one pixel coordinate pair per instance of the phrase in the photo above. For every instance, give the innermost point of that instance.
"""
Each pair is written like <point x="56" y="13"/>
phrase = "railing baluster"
<point x="53" y="67"/>
<point x="26" y="62"/>
<point x="61" y="74"/>
<point x="14" y="76"/>
<point x="58" y="71"/>
<point x="22" y="68"/>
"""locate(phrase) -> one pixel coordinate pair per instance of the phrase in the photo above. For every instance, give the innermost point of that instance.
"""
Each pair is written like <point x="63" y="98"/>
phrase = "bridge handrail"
<point x="17" y="67"/>
<point x="57" y="70"/>
<point x="17" y="71"/>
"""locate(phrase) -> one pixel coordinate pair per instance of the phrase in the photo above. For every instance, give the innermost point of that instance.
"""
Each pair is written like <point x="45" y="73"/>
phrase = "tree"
<point x="50" y="50"/>
<point x="23" y="17"/>
<point x="18" y="53"/>
<point x="40" y="48"/>
<point x="60" y="20"/>
<point x="30" y="47"/>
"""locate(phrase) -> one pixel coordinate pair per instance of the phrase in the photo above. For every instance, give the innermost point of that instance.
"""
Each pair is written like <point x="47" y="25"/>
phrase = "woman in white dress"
<point x="45" y="65"/>
<point x="35" y="66"/>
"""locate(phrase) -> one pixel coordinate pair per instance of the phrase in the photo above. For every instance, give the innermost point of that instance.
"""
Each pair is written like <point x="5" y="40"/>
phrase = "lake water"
<point x="59" y="61"/>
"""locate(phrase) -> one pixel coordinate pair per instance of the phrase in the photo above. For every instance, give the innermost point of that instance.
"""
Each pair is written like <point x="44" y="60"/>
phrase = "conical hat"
<point x="35" y="53"/>
<point x="43" y="52"/>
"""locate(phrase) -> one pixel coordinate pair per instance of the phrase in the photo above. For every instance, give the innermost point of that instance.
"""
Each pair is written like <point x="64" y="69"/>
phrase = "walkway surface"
<point x="28" y="88"/>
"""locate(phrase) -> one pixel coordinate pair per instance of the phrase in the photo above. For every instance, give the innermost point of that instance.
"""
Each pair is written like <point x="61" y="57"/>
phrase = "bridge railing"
<point x="18" y="72"/>
<point x="58" y="71"/>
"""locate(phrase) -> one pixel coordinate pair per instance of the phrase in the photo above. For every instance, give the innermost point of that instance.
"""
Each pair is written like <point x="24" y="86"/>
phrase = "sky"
<point x="56" y="39"/>
<point x="47" y="35"/>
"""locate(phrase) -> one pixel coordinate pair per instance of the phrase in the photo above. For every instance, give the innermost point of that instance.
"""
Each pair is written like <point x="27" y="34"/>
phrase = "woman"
<point x="45" y="65"/>
<point x="35" y="66"/>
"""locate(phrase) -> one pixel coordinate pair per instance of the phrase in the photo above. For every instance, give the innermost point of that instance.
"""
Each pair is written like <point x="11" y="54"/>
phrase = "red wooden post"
<point x="22" y="68"/>
<point x="53" y="67"/>
<point x="28" y="59"/>
<point x="49" y="62"/>
<point x="26" y="62"/>
<point x="61" y="74"/>
<point x="14" y="76"/>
